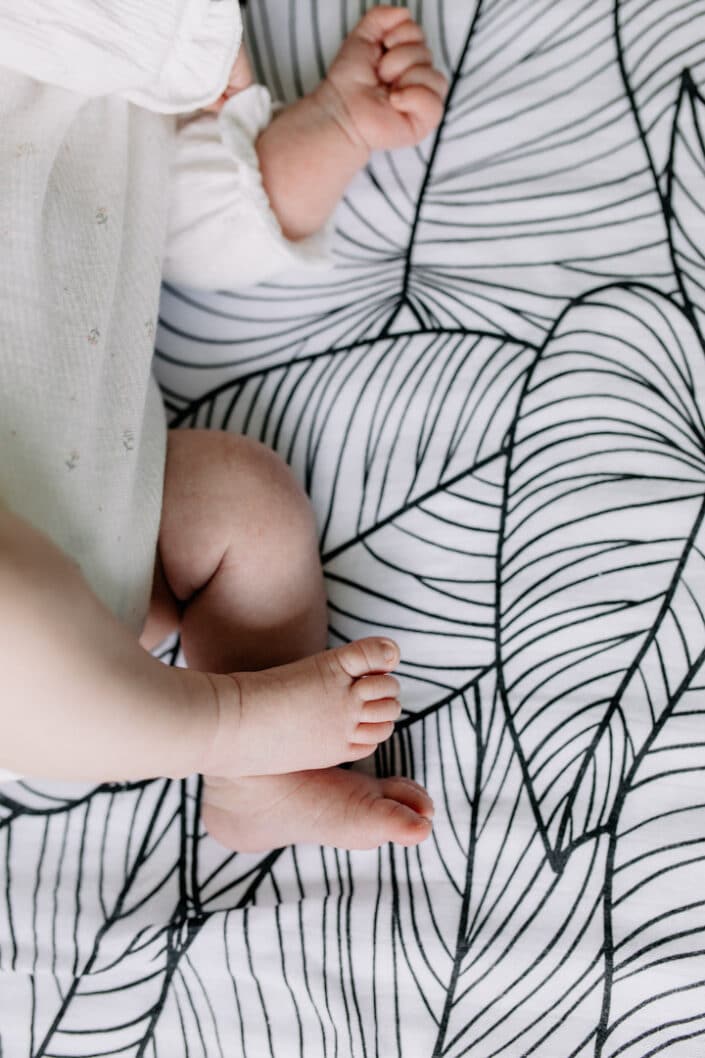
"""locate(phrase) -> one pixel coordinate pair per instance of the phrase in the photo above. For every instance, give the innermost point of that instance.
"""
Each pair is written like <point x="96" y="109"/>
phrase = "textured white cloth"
<point x="166" y="55"/>
<point x="87" y="143"/>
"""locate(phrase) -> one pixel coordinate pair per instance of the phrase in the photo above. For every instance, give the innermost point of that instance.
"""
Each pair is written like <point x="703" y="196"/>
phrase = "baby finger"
<point x="380" y="21"/>
<point x="395" y="62"/>
<point x="425" y="75"/>
<point x="422" y="108"/>
<point x="407" y="33"/>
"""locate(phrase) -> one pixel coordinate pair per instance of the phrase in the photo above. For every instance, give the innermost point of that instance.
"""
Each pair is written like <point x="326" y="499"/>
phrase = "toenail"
<point x="390" y="650"/>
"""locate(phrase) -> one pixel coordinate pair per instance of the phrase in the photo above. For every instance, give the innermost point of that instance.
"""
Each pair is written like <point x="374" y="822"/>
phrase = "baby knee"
<point x="229" y="499"/>
<point x="278" y="516"/>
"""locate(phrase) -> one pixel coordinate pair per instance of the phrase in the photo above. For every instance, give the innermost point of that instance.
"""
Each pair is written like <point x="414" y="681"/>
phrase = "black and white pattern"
<point x="496" y="403"/>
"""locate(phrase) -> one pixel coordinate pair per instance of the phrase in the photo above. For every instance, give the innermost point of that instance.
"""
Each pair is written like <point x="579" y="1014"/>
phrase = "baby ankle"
<point x="222" y="748"/>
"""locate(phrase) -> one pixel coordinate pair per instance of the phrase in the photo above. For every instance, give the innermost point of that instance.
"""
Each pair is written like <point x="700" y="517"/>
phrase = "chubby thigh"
<point x="237" y="569"/>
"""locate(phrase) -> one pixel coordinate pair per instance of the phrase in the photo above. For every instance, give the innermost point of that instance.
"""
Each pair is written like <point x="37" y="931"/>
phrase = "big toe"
<point x="363" y="656"/>
<point x="409" y="793"/>
<point x="392" y="820"/>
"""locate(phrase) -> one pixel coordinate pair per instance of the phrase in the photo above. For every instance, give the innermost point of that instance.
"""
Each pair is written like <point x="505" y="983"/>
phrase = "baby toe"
<point x="365" y="656"/>
<point x="372" y="688"/>
<point x="373" y="734"/>
<point x="408" y="792"/>
<point x="356" y="751"/>
<point x="397" y="822"/>
<point x="381" y="710"/>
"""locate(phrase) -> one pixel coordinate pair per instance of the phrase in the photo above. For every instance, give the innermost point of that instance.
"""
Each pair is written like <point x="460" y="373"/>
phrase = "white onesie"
<point x="89" y="141"/>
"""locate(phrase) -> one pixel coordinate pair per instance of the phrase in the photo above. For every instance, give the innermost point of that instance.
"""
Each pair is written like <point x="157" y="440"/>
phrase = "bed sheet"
<point x="495" y="400"/>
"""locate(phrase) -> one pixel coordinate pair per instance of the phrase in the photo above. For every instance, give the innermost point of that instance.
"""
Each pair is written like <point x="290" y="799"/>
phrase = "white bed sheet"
<point x="495" y="400"/>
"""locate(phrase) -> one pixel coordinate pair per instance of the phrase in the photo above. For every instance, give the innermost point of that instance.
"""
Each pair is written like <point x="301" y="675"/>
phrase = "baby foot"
<point x="336" y="807"/>
<point x="332" y="707"/>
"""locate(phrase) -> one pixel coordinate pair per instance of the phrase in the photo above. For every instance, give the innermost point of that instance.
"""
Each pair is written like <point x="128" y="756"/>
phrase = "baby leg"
<point x="238" y="550"/>
<point x="238" y="566"/>
<point x="239" y="563"/>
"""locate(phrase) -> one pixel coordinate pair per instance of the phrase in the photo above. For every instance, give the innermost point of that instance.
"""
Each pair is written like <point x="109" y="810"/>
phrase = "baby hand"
<point x="382" y="86"/>
<point x="239" y="79"/>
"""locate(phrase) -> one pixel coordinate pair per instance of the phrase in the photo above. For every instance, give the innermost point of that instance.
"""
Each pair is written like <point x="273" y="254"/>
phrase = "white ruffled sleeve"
<point x="222" y="232"/>
<point x="167" y="55"/>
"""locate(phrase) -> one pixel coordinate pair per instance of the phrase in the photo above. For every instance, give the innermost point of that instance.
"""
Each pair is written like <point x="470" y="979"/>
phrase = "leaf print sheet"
<point x="495" y="399"/>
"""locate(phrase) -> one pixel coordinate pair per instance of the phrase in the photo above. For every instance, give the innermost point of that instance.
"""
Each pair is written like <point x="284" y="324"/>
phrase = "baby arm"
<point x="80" y="698"/>
<point x="381" y="92"/>
<point x="250" y="194"/>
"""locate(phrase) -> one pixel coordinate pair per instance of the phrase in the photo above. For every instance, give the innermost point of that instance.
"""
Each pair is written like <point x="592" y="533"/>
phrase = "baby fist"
<point x="386" y="89"/>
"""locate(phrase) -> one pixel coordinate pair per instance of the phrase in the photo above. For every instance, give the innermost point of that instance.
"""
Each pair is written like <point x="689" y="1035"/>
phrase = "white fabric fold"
<point x="199" y="61"/>
<point x="166" y="55"/>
